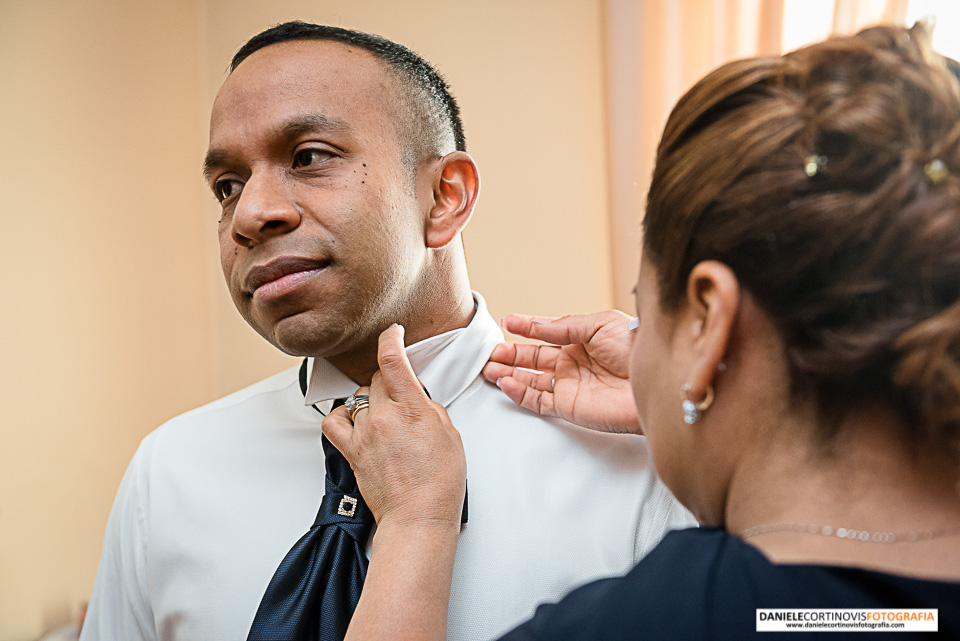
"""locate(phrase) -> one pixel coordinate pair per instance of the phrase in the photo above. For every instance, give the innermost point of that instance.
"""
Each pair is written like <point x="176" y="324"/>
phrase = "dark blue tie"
<point x="316" y="588"/>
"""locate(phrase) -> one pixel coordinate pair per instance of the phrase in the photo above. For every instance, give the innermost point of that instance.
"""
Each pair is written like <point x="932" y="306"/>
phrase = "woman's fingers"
<point x="495" y="372"/>
<point x="533" y="399"/>
<point x="355" y="415"/>
<point x="578" y="329"/>
<point x="538" y="357"/>
<point x="523" y="325"/>
<point x="568" y="330"/>
<point x="338" y="428"/>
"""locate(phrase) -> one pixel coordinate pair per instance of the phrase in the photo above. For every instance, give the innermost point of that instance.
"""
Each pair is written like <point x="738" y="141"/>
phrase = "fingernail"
<point x="537" y="321"/>
<point x="633" y="324"/>
<point x="498" y="381"/>
<point x="501" y="322"/>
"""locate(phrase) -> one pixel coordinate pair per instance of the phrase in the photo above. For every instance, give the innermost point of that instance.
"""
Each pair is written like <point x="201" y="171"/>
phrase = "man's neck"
<point x="360" y="364"/>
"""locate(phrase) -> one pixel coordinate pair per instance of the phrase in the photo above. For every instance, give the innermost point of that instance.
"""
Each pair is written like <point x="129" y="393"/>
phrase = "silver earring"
<point x="692" y="411"/>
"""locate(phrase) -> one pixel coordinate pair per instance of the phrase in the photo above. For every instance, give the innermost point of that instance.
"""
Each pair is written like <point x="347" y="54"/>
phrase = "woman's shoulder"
<point x="705" y="583"/>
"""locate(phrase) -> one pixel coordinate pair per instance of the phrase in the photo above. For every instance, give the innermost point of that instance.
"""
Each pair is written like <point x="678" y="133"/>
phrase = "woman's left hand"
<point x="407" y="456"/>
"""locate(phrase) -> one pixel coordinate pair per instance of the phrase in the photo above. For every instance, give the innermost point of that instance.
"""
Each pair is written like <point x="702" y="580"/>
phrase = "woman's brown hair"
<point x="828" y="179"/>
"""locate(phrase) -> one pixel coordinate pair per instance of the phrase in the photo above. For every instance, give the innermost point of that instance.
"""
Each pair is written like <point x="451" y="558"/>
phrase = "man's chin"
<point x="303" y="345"/>
<point x="298" y="338"/>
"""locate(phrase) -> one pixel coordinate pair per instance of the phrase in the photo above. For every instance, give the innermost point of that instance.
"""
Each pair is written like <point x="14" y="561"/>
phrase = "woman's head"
<point x="828" y="181"/>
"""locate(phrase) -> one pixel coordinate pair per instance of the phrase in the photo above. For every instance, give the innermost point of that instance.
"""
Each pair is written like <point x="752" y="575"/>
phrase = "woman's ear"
<point x="713" y="300"/>
<point x="455" y="189"/>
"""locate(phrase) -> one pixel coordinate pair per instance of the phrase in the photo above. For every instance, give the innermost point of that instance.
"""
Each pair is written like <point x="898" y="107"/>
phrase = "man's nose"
<point x="264" y="209"/>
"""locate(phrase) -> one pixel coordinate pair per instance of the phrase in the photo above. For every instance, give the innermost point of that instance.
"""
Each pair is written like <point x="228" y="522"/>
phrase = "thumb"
<point x="338" y="429"/>
<point x="397" y="375"/>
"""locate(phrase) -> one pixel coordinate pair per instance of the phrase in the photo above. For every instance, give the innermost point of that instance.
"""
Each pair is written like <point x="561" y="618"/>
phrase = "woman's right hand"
<point x="407" y="456"/>
<point x="584" y="377"/>
<point x="411" y="470"/>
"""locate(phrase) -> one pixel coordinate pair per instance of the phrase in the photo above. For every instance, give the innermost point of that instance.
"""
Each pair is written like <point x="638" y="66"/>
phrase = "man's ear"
<point x="713" y="301"/>
<point x="455" y="189"/>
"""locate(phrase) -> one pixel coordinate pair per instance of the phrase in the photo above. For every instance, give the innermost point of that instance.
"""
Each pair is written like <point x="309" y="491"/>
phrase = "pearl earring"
<point x="692" y="411"/>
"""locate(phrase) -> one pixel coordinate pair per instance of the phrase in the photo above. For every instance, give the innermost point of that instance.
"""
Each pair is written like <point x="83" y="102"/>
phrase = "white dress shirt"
<point x="214" y="499"/>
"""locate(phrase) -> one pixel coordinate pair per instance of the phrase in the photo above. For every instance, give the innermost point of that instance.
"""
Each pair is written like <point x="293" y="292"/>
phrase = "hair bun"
<point x="928" y="373"/>
<point x="828" y="180"/>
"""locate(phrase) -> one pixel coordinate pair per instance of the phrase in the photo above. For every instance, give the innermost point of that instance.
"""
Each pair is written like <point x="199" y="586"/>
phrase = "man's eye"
<point x="307" y="157"/>
<point x="224" y="189"/>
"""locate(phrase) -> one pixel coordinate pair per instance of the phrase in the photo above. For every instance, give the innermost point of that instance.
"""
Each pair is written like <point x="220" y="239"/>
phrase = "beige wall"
<point x="114" y="314"/>
<point x="104" y="306"/>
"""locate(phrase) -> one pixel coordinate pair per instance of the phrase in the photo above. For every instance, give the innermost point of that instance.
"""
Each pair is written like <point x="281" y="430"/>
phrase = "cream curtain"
<point x="849" y="16"/>
<point x="655" y="50"/>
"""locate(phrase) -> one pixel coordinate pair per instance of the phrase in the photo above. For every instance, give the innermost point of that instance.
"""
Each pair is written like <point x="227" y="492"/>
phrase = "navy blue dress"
<point x="702" y="583"/>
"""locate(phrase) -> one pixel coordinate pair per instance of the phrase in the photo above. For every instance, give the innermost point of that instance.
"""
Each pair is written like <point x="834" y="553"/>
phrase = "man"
<point x="340" y="164"/>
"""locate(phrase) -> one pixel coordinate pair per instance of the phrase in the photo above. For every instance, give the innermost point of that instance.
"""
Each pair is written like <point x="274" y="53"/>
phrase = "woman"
<point x="796" y="367"/>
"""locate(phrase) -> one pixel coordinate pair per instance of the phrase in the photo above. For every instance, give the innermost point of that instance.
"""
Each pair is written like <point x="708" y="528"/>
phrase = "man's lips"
<point x="281" y="274"/>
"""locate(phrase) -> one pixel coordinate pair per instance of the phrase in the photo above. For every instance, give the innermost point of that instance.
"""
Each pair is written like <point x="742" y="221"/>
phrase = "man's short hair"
<point x="428" y="120"/>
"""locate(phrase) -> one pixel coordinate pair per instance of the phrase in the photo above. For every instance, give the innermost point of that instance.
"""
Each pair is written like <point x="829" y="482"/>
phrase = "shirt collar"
<point x="446" y="363"/>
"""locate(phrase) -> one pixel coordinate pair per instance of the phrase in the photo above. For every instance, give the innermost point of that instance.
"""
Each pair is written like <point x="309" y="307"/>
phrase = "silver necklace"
<point x="851" y="534"/>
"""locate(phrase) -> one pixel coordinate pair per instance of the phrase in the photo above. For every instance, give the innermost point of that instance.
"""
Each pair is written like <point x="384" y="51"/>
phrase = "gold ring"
<point x="360" y="405"/>
<point x="355" y="403"/>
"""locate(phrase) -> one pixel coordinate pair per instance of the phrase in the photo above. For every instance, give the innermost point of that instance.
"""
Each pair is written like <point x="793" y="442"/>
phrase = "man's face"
<point x="322" y="235"/>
